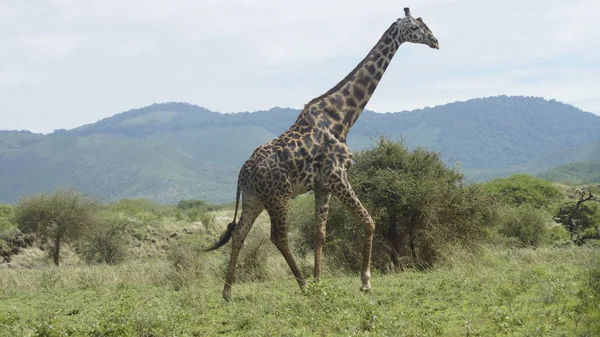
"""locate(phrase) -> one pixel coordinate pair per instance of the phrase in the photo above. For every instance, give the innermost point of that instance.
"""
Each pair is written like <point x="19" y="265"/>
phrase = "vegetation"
<point x="420" y="207"/>
<point x="106" y="241"/>
<point x="450" y="259"/>
<point x="6" y="212"/>
<point x="56" y="218"/>
<point x="580" y="219"/>
<point x="526" y="225"/>
<point x="520" y="292"/>
<point x="574" y="173"/>
<point x="159" y="152"/>
<point x="523" y="189"/>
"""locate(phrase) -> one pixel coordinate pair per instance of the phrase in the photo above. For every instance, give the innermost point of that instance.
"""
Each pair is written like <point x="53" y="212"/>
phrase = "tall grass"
<point x="492" y="291"/>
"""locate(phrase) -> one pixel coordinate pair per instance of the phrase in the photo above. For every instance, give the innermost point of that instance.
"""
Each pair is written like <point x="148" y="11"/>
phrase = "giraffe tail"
<point x="231" y="226"/>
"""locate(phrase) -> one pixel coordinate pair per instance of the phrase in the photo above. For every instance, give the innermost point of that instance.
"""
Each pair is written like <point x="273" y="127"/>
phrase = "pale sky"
<point x="64" y="63"/>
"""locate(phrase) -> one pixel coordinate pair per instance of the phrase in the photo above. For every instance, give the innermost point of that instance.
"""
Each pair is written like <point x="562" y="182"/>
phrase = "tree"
<point x="575" y="216"/>
<point x="106" y="241"/>
<point x="521" y="189"/>
<point x="56" y="218"/>
<point x="419" y="205"/>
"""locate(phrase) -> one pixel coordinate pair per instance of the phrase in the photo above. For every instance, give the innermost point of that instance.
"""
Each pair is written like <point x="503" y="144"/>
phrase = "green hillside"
<point x="171" y="151"/>
<point x="574" y="173"/>
<point x="559" y="162"/>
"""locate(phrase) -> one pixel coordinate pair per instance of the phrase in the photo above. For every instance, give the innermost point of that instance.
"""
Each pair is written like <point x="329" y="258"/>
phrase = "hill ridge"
<point x="172" y="150"/>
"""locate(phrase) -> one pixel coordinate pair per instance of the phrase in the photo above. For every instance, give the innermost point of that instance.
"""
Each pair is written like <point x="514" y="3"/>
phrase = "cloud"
<point x="69" y="62"/>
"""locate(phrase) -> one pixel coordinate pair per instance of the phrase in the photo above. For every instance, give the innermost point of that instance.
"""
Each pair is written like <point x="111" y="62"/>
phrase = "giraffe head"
<point x="415" y="31"/>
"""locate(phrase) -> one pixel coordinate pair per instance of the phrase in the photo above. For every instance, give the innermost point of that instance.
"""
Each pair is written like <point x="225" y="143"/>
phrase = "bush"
<point x="418" y="204"/>
<point x="557" y="234"/>
<point x="56" y="218"/>
<point x="106" y="241"/>
<point x="188" y="262"/>
<point x="196" y="210"/>
<point x="521" y="189"/>
<point x="6" y="214"/>
<point x="191" y="204"/>
<point x="141" y="209"/>
<point x="526" y="224"/>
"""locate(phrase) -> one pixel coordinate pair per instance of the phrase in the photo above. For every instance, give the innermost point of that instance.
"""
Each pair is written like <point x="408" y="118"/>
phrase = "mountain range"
<point x="172" y="151"/>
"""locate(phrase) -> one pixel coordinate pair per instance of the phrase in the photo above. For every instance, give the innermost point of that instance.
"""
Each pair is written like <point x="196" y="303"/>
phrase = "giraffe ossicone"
<point x="312" y="155"/>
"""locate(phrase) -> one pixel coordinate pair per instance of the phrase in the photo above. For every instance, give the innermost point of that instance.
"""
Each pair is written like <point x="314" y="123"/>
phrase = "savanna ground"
<point x="168" y="288"/>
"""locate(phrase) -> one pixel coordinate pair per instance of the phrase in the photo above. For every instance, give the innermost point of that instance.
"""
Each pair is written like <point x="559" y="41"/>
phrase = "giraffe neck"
<point x="340" y="107"/>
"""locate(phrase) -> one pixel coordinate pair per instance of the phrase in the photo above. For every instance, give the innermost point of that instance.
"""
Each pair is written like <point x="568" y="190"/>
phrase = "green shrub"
<point x="56" y="218"/>
<point x="526" y="224"/>
<point x="6" y="225"/>
<point x="191" y="264"/>
<point x="4" y="248"/>
<point x="557" y="234"/>
<point x="418" y="204"/>
<point x="6" y="214"/>
<point x="193" y="204"/>
<point x="141" y="209"/>
<point x="523" y="189"/>
<point x="106" y="241"/>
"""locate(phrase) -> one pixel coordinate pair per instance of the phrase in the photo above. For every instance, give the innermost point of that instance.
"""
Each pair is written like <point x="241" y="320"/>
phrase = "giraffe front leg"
<point x="321" y="211"/>
<point x="344" y="192"/>
<point x="278" y="213"/>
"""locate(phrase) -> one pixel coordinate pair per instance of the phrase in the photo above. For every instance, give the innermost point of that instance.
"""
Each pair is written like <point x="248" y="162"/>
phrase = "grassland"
<point x="515" y="292"/>
<point x="167" y="286"/>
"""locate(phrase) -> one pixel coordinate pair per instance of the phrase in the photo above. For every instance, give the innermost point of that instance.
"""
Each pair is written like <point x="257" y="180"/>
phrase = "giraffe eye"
<point x="414" y="27"/>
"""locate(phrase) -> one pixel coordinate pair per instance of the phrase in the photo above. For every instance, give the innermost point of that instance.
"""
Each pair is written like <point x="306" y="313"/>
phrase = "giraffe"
<point x="312" y="155"/>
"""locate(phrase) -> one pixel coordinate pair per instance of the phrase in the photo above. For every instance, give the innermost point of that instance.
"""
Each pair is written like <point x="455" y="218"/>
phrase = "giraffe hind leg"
<point x="250" y="211"/>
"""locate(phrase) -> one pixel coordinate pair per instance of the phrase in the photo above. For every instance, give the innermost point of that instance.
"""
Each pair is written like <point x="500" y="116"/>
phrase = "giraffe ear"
<point x="406" y="11"/>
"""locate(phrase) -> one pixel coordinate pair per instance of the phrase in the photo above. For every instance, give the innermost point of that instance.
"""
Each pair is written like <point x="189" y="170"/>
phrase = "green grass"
<point x="516" y="292"/>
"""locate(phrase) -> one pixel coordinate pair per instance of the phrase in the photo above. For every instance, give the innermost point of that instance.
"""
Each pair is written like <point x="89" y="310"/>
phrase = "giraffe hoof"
<point x="365" y="289"/>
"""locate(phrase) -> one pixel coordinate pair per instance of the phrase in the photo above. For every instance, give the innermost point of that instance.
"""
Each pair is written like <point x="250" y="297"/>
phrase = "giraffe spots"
<point x="349" y="119"/>
<point x="385" y="51"/>
<point x="359" y="93"/>
<point x="334" y="114"/>
<point x="285" y="154"/>
<point x="380" y="62"/>
<point x="378" y="75"/>
<point x="371" y="69"/>
<point x="307" y="140"/>
<point x="324" y="123"/>
<point x="372" y="87"/>
<point x="299" y="165"/>
<point x="364" y="80"/>
<point x="337" y="129"/>
<point x="351" y="102"/>
<point x="303" y="152"/>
